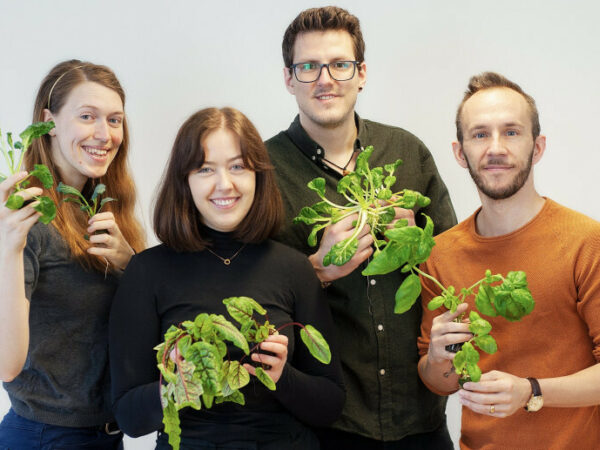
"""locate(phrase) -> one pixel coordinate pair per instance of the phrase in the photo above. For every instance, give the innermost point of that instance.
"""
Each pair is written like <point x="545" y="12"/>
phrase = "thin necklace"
<point x="343" y="169"/>
<point x="227" y="261"/>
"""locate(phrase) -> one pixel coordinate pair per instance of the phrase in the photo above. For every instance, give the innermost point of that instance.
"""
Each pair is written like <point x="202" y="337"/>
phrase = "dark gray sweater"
<point x="65" y="380"/>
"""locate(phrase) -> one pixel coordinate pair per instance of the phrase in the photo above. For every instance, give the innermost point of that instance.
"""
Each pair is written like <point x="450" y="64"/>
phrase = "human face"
<point x="223" y="188"/>
<point x="88" y="132"/>
<point x="325" y="103"/>
<point x="498" y="147"/>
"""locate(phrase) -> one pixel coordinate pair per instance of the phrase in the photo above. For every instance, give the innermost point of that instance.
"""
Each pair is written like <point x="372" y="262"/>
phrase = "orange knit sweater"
<point x="559" y="249"/>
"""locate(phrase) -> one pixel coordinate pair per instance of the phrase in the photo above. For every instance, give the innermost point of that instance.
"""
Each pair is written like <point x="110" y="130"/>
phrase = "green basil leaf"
<point x="486" y="343"/>
<point x="435" y="303"/>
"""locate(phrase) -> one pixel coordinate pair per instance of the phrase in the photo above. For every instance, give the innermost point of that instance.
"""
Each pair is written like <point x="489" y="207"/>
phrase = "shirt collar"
<point x="312" y="149"/>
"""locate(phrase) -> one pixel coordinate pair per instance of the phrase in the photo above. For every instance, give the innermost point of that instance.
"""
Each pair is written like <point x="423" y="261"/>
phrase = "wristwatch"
<point x="536" y="401"/>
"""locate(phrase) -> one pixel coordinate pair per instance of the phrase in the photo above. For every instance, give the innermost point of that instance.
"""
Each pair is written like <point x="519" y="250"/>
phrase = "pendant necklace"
<point x="343" y="169"/>
<point x="227" y="261"/>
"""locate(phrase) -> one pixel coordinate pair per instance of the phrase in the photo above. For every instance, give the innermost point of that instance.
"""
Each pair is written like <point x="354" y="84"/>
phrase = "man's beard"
<point x="503" y="192"/>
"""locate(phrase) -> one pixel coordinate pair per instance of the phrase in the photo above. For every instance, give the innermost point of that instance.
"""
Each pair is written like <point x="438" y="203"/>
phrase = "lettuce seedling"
<point x="194" y="361"/>
<point x="369" y="194"/>
<point x="92" y="207"/>
<point x="14" y="162"/>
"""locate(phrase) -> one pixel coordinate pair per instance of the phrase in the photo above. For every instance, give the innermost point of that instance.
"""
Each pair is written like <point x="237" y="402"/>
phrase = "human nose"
<point x="101" y="131"/>
<point x="224" y="181"/>
<point x="497" y="145"/>
<point x="324" y="75"/>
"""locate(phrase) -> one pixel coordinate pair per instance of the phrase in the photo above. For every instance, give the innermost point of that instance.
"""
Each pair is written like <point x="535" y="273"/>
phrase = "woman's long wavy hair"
<point x="70" y="221"/>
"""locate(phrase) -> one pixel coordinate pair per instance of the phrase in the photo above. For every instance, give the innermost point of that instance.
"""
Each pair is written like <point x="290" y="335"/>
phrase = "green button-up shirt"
<point x="386" y="400"/>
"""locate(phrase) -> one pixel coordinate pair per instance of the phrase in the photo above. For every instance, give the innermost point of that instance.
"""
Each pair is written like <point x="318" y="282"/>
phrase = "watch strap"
<point x="536" y="390"/>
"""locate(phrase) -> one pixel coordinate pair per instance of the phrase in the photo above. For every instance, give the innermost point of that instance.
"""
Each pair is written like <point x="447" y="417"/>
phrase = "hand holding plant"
<point x="194" y="359"/>
<point x="13" y="153"/>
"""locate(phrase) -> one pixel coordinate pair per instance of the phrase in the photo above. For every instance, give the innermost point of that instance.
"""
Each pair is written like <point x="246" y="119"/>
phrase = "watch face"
<point x="535" y="403"/>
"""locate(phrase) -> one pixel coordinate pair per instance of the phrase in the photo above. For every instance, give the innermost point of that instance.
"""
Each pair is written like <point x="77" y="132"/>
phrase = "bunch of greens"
<point x="194" y="361"/>
<point x="495" y="295"/>
<point x="369" y="194"/>
<point x="14" y="162"/>
<point x="92" y="207"/>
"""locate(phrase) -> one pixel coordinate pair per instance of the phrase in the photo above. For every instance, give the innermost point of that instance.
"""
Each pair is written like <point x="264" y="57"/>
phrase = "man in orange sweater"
<point x="541" y="390"/>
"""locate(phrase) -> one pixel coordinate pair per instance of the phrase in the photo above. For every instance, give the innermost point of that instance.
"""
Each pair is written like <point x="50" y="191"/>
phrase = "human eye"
<point x="479" y="135"/>
<point x="512" y="133"/>
<point x="204" y="170"/>
<point x="307" y="66"/>
<point x="342" y="65"/>
<point x="116" y="121"/>
<point x="238" y="166"/>
<point x="85" y="116"/>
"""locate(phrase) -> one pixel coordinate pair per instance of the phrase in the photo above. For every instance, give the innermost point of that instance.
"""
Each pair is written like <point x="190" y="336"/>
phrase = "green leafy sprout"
<point x="91" y="208"/>
<point x="495" y="295"/>
<point x="369" y="193"/>
<point x="13" y="153"/>
<point x="194" y="361"/>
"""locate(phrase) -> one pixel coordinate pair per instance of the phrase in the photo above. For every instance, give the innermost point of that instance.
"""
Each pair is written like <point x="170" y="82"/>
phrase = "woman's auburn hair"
<point x="177" y="221"/>
<point x="70" y="221"/>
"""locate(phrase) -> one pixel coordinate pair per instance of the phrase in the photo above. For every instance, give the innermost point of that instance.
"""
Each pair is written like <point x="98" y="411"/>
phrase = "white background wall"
<point x="176" y="57"/>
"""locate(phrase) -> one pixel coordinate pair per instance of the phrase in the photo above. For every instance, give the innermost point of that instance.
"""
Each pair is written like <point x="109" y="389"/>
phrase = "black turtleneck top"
<point x="161" y="288"/>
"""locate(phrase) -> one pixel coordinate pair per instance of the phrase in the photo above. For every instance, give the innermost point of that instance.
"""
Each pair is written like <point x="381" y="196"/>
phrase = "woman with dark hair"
<point x="57" y="287"/>
<point x="217" y="207"/>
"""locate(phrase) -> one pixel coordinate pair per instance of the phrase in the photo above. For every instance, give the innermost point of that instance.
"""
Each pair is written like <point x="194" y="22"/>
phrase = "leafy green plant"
<point x="91" y="208"/>
<point x="194" y="361"/>
<point x="495" y="295"/>
<point x="369" y="194"/>
<point x="14" y="152"/>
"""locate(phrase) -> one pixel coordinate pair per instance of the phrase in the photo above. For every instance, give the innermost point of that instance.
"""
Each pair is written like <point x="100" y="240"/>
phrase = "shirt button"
<point x="382" y="372"/>
<point x="318" y="151"/>
<point x="373" y="282"/>
<point x="380" y="327"/>
<point x="313" y="157"/>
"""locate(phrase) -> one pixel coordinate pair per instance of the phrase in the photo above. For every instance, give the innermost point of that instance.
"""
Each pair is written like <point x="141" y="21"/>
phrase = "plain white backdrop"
<point x="176" y="57"/>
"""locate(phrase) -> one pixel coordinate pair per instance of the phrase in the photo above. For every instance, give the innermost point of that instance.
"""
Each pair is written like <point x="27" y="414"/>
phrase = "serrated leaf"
<point x="316" y="344"/>
<point x="42" y="173"/>
<point x="407" y="293"/>
<point x="264" y="378"/>
<point x="47" y="208"/>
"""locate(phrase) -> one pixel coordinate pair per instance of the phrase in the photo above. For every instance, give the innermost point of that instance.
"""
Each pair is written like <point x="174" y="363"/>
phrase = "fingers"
<point x="103" y="221"/>
<point x="7" y="185"/>
<point x="407" y="214"/>
<point x="491" y="405"/>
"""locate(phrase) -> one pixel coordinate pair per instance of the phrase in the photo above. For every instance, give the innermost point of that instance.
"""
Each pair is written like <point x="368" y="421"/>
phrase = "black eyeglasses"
<point x="307" y="72"/>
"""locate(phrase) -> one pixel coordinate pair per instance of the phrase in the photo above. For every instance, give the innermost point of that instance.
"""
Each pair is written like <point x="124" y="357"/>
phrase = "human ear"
<point x="288" y="79"/>
<point x="362" y="75"/>
<point x="47" y="118"/>
<point x="539" y="148"/>
<point x="459" y="155"/>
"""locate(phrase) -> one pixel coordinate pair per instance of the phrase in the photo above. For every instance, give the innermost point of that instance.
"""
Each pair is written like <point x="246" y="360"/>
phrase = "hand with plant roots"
<point x="111" y="244"/>
<point x="445" y="331"/>
<point x="333" y="234"/>
<point x="277" y="344"/>
<point x="15" y="224"/>
<point x="497" y="394"/>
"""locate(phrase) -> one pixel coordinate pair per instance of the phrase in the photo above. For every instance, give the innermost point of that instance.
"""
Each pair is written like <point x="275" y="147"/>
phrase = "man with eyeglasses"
<point x="387" y="406"/>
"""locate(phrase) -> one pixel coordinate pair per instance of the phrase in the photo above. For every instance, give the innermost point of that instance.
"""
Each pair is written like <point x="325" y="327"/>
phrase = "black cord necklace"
<point x="343" y="169"/>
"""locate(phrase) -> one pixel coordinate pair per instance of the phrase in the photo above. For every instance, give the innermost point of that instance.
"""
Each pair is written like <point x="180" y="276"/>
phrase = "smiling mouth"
<point x="325" y="97"/>
<point x="97" y="152"/>
<point x="223" y="202"/>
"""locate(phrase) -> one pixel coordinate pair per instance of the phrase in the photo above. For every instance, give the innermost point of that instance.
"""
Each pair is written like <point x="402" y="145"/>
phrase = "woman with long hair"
<point x="217" y="207"/>
<point x="58" y="285"/>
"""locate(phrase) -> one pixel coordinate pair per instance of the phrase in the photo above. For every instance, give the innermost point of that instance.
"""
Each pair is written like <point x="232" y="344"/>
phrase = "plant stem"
<point x="429" y="277"/>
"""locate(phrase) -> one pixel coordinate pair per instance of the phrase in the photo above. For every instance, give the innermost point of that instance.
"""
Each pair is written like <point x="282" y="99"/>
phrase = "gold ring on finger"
<point x="492" y="409"/>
